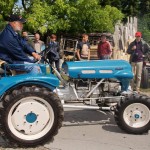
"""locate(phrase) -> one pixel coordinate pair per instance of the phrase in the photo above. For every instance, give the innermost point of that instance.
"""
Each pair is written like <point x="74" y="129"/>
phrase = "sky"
<point x="19" y="3"/>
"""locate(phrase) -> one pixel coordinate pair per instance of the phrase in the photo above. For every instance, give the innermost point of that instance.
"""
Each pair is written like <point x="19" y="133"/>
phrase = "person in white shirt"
<point x="38" y="45"/>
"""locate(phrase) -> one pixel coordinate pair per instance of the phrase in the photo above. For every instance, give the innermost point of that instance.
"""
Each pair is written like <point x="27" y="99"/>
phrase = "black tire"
<point x="132" y="114"/>
<point x="38" y="109"/>
<point x="144" y="80"/>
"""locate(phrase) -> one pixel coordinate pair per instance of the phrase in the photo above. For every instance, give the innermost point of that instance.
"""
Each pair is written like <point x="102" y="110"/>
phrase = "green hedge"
<point x="144" y="26"/>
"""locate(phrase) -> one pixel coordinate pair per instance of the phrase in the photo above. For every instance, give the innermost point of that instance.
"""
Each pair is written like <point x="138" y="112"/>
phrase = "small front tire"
<point x="132" y="114"/>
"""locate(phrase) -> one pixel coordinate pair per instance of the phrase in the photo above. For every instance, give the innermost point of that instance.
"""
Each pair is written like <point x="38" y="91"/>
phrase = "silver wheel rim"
<point x="30" y="118"/>
<point x="136" y="115"/>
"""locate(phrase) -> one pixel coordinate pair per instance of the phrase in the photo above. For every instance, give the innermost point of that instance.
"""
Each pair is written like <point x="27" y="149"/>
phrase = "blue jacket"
<point x="53" y="48"/>
<point x="12" y="46"/>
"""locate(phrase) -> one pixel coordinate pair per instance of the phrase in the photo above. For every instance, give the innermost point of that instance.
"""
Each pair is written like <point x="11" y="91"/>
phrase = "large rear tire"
<point x="132" y="114"/>
<point x="31" y="115"/>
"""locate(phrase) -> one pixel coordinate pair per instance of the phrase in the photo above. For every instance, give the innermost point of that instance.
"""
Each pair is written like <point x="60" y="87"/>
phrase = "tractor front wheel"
<point x="132" y="114"/>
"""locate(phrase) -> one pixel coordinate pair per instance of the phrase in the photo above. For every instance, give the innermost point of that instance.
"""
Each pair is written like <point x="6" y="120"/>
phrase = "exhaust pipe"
<point x="59" y="76"/>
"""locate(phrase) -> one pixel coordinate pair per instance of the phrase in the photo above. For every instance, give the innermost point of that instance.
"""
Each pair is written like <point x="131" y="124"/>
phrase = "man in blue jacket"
<point x="13" y="49"/>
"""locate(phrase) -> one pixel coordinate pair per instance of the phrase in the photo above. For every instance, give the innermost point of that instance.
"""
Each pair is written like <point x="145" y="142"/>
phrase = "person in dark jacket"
<point x="26" y="38"/>
<point x="137" y="49"/>
<point x="54" y="49"/>
<point x="13" y="49"/>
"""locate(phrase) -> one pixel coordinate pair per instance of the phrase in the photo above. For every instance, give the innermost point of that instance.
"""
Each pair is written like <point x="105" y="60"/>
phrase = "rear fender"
<point x="8" y="83"/>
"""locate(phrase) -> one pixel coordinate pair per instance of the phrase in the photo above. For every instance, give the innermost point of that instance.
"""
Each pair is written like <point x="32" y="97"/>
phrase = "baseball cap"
<point x="138" y="34"/>
<point x="15" y="17"/>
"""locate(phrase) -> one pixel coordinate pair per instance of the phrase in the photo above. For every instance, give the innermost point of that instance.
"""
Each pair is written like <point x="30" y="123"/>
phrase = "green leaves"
<point x="44" y="17"/>
<point x="7" y="6"/>
<point x="144" y="26"/>
<point x="5" y="9"/>
<point x="37" y="18"/>
<point x="144" y="7"/>
<point x="2" y="23"/>
<point x="91" y="17"/>
<point x="74" y="16"/>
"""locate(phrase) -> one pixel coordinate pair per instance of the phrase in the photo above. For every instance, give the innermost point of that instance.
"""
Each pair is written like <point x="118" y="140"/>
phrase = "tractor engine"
<point x="108" y="87"/>
<point x="95" y="81"/>
<point x="78" y="89"/>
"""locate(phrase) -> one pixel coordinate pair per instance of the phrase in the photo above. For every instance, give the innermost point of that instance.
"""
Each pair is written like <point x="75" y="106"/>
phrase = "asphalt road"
<point x="92" y="130"/>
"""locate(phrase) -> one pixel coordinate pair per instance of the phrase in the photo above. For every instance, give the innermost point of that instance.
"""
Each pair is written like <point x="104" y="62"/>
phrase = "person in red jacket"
<point x="104" y="48"/>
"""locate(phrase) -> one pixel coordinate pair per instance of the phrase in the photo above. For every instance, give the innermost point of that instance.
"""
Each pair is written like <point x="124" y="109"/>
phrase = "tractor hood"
<point x="97" y="69"/>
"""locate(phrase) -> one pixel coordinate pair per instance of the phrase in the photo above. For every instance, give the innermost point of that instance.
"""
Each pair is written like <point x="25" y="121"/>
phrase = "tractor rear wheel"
<point x="31" y="115"/>
<point x="132" y="114"/>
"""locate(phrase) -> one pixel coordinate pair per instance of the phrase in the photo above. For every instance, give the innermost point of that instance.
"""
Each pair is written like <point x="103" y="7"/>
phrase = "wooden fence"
<point x="124" y="34"/>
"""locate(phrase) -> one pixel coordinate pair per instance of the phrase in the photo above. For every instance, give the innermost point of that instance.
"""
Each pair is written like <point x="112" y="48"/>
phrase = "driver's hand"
<point x="36" y="56"/>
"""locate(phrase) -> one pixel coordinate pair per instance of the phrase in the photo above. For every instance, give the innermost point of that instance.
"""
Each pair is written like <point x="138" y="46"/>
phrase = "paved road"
<point x="92" y="130"/>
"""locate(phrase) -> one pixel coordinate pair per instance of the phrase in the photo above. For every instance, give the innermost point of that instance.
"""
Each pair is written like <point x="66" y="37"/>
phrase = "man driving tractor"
<point x="13" y="49"/>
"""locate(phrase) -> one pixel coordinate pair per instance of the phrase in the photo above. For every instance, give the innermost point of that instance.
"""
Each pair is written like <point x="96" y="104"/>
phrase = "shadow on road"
<point x="91" y="117"/>
<point x="113" y="128"/>
<point x="82" y="118"/>
<point x="78" y="117"/>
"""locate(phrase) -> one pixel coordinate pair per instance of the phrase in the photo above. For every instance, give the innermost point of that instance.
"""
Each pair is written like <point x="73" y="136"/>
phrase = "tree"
<point x="144" y="26"/>
<point x="114" y="3"/>
<point x="6" y="6"/>
<point x="93" y="18"/>
<point x="144" y="7"/>
<point x="71" y="16"/>
<point x="130" y="8"/>
<point x="74" y="16"/>
<point x="144" y="19"/>
<point x="5" y="9"/>
<point x="2" y="23"/>
<point x="51" y="17"/>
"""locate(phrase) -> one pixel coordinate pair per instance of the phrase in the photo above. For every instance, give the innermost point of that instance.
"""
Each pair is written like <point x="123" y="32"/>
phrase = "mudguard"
<point x="48" y="80"/>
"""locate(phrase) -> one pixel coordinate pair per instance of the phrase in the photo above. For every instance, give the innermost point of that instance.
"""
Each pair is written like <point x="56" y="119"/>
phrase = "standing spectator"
<point x="26" y="38"/>
<point x="38" y="44"/>
<point x="104" y="50"/>
<point x="83" y="48"/>
<point x="53" y="54"/>
<point x="137" y="49"/>
<point x="12" y="48"/>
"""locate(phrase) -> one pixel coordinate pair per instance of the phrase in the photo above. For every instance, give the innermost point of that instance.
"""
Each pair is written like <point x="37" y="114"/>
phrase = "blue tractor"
<point x="32" y="105"/>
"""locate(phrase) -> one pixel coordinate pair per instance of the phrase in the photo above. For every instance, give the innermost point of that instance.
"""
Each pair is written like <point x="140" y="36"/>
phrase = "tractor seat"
<point x="6" y="71"/>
